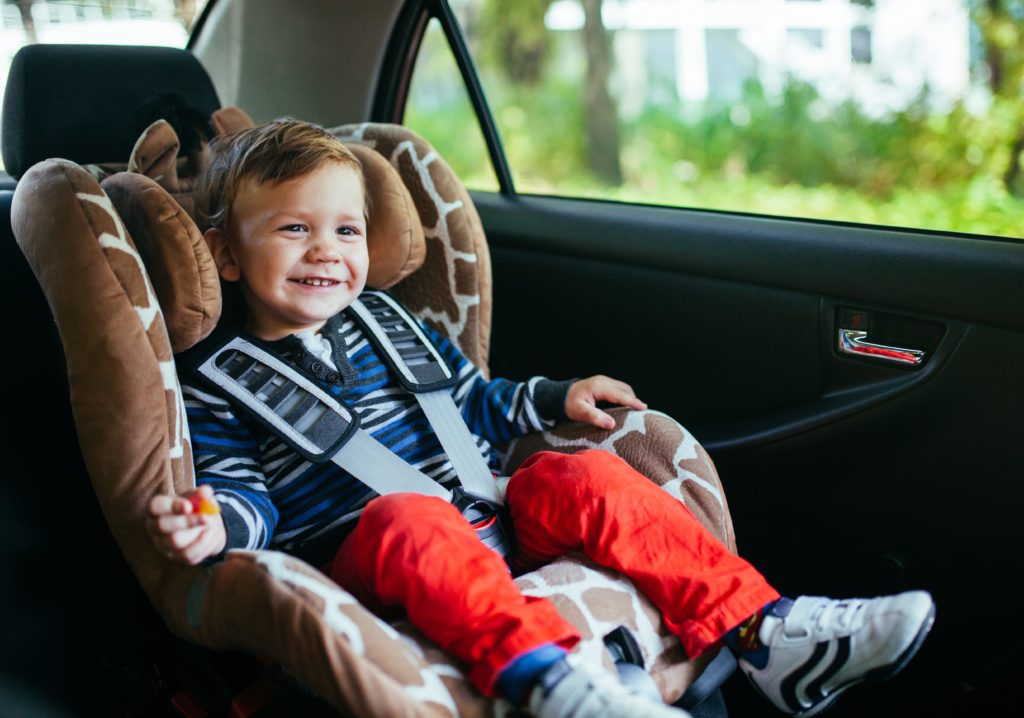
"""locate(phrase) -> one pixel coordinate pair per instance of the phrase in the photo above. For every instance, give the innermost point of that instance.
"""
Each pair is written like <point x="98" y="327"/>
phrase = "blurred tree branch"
<point x="186" y="12"/>
<point x="29" y="25"/>
<point x="1000" y="25"/>
<point x="602" y="117"/>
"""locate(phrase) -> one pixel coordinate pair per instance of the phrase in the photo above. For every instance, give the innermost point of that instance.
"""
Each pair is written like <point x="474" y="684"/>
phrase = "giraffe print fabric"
<point x="129" y="416"/>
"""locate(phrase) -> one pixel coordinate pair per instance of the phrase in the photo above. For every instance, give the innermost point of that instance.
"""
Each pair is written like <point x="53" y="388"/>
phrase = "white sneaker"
<point x="565" y="691"/>
<point x="823" y="646"/>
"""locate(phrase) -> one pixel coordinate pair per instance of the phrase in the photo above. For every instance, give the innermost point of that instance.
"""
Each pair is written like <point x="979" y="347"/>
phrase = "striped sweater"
<point x="271" y="497"/>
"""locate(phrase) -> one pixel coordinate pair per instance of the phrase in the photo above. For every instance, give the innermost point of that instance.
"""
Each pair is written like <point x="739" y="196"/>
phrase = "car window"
<point x="888" y="112"/>
<point x="438" y="108"/>
<point x="108" y="22"/>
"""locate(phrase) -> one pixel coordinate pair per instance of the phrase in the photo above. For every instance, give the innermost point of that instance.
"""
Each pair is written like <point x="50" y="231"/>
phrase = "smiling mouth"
<point x="310" y="282"/>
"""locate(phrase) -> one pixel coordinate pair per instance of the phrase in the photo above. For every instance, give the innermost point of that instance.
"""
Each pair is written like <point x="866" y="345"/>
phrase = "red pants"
<point x="418" y="553"/>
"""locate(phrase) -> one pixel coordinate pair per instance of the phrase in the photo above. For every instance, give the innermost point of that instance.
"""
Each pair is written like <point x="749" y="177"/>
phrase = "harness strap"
<point x="322" y="427"/>
<point x="414" y="356"/>
<point x="383" y="471"/>
<point x="459" y="444"/>
<point x="311" y="421"/>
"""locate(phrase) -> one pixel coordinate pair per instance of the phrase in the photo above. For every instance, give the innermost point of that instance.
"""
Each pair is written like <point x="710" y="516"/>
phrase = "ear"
<point x="227" y="267"/>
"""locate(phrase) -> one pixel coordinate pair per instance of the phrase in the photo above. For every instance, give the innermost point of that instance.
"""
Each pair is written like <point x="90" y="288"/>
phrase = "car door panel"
<point x="845" y="475"/>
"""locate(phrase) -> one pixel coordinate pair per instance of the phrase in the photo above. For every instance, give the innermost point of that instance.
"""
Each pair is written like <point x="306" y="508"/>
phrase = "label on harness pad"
<point x="307" y="418"/>
<point x="400" y="341"/>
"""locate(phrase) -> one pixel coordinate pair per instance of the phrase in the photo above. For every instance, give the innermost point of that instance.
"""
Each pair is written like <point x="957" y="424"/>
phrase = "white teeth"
<point x="317" y="282"/>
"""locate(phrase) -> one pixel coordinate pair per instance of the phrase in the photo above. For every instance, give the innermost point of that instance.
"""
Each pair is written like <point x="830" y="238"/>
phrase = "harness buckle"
<point x="491" y="521"/>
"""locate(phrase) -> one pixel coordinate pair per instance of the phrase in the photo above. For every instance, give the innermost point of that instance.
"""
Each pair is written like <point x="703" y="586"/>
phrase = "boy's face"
<point x="297" y="248"/>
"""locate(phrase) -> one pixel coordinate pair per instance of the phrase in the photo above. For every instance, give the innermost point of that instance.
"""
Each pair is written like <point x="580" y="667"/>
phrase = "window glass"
<point x="107" y="22"/>
<point x="438" y="108"/>
<point x="890" y="112"/>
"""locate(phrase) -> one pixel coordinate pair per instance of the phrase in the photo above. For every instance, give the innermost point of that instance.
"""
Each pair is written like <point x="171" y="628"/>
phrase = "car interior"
<point x="844" y="474"/>
<point x="120" y="386"/>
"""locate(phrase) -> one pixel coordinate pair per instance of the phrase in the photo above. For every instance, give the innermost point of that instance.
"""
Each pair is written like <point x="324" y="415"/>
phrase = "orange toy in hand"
<point x="203" y="505"/>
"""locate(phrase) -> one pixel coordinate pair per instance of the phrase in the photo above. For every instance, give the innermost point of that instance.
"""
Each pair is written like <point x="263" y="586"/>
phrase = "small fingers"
<point x="164" y="504"/>
<point x="170" y="523"/>
<point x="203" y="547"/>
<point x="619" y="392"/>
<point x="594" y="416"/>
<point x="625" y="398"/>
<point x="179" y="540"/>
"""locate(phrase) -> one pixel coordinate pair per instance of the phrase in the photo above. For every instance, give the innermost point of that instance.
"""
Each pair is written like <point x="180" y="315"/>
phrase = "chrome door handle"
<point x="855" y="342"/>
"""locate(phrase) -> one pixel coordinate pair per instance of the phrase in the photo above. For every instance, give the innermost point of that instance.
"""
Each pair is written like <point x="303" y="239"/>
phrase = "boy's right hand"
<point x="180" y="532"/>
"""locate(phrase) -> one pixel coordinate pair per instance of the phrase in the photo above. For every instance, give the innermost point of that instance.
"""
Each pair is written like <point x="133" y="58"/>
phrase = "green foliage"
<point x="515" y="39"/>
<point x="788" y="154"/>
<point x="795" y="156"/>
<point x="542" y="129"/>
<point x="787" y="157"/>
<point x="456" y="136"/>
<point x="438" y="107"/>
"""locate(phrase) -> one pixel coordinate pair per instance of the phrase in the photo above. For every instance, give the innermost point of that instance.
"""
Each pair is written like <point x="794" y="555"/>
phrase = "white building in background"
<point x="881" y="56"/>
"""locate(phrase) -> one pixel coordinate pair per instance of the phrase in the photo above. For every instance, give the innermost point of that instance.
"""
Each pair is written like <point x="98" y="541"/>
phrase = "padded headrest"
<point x="89" y="103"/>
<point x="156" y="208"/>
<point x="394" y="237"/>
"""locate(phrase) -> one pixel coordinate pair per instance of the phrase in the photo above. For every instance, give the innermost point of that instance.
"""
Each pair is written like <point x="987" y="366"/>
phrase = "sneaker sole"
<point x="882" y="673"/>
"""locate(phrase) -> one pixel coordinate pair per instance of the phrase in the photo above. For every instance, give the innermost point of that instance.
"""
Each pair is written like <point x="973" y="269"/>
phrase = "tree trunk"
<point x="1012" y="176"/>
<point x="25" y="8"/>
<point x="602" y="122"/>
<point x="186" y="11"/>
<point x="994" y="53"/>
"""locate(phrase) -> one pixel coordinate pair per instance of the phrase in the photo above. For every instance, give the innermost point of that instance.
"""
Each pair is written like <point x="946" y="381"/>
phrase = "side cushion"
<point x="394" y="238"/>
<point x="654" y="444"/>
<point x="127" y="406"/>
<point x="183" y="273"/>
<point x="453" y="290"/>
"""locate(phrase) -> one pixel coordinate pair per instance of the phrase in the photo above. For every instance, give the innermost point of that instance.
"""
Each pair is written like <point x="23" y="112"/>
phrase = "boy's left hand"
<point x="581" y="401"/>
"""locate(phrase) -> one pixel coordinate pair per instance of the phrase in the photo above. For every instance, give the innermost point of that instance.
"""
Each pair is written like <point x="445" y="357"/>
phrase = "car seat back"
<point x="90" y="103"/>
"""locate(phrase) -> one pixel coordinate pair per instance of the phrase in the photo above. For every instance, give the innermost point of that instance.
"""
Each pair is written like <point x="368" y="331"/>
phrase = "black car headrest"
<point x="90" y="103"/>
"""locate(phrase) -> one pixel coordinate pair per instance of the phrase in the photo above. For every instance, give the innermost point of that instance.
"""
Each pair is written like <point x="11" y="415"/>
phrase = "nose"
<point x="324" y="247"/>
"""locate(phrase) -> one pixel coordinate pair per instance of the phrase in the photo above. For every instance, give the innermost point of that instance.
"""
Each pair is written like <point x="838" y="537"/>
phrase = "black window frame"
<point x="395" y="77"/>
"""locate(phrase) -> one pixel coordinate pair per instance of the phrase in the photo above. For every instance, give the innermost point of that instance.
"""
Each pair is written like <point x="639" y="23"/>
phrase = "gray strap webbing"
<point x="442" y="413"/>
<point x="447" y="422"/>
<point x="297" y="409"/>
<point x="383" y="471"/>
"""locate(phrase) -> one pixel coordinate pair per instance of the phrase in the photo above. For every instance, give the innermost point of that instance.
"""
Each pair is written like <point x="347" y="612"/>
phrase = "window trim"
<point x="395" y="78"/>
<point x="197" y="25"/>
<point x="403" y="47"/>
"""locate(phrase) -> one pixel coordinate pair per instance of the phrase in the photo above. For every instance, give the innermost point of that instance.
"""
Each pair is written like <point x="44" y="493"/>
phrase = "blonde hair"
<point x="273" y="152"/>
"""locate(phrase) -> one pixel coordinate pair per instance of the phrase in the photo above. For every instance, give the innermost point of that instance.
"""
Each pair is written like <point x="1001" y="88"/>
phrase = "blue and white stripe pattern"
<point x="272" y="497"/>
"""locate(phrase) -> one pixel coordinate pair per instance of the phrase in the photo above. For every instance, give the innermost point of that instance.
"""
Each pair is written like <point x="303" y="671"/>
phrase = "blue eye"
<point x="293" y="228"/>
<point x="348" y="231"/>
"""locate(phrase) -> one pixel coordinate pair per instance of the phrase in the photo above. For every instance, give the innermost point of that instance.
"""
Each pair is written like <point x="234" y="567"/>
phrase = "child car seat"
<point x="87" y="246"/>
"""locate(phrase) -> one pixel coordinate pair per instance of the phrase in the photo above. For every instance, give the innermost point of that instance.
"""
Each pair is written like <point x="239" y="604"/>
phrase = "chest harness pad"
<point x="322" y="427"/>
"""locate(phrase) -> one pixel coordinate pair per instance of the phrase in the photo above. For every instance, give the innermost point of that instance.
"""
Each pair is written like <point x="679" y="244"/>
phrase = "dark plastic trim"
<point x="392" y="87"/>
<point x="936" y="275"/>
<point x="197" y="26"/>
<point x="710" y="680"/>
<point x="476" y="95"/>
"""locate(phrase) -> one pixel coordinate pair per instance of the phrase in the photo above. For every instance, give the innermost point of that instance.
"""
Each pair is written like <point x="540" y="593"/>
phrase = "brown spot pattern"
<point x="561" y="574"/>
<point x="607" y="604"/>
<point x="572" y="613"/>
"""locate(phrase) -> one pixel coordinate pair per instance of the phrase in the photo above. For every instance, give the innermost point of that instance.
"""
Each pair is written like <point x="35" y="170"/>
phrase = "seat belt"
<point x="321" y="427"/>
<point x="312" y="422"/>
<point x="419" y="367"/>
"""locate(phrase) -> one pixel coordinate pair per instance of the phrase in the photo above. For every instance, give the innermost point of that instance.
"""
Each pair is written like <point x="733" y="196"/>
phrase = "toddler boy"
<point x="285" y="214"/>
